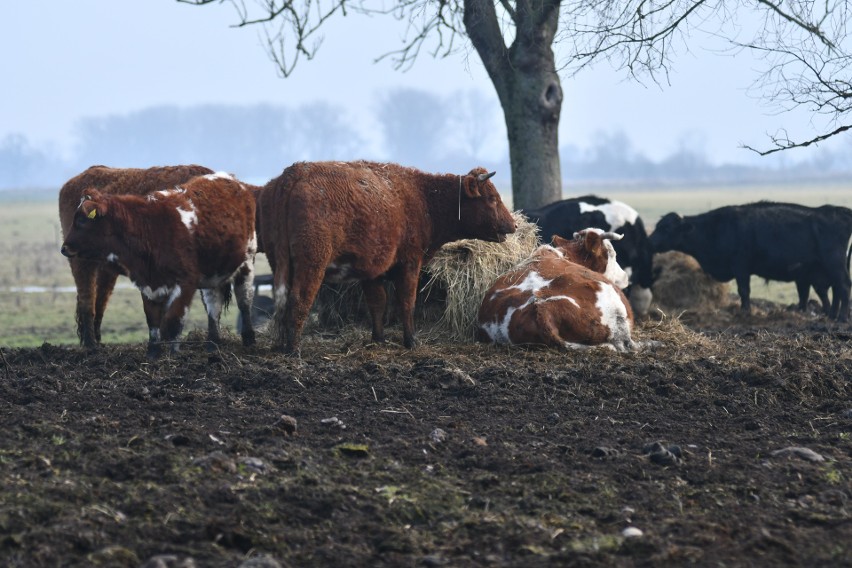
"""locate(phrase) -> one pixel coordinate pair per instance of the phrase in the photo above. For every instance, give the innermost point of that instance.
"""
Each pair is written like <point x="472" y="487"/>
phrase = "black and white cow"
<point x="776" y="241"/>
<point x="633" y="252"/>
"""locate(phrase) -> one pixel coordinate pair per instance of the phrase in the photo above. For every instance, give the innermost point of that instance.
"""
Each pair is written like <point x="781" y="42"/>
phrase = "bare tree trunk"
<point x="530" y="93"/>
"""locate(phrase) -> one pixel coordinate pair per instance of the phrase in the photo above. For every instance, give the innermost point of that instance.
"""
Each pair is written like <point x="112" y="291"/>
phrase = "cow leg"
<point x="305" y="285"/>
<point x="840" y="301"/>
<point x="281" y="291"/>
<point x="244" y="291"/>
<point x="822" y="293"/>
<point x="106" y="278"/>
<point x="176" y="311"/>
<point x="214" y="300"/>
<point x="374" y="292"/>
<point x="803" y="288"/>
<point x="153" y="317"/>
<point x="85" y="278"/>
<point x="744" y="290"/>
<point x="406" y="294"/>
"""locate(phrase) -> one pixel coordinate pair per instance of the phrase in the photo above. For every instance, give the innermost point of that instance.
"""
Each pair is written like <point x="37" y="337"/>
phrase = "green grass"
<point x="30" y="238"/>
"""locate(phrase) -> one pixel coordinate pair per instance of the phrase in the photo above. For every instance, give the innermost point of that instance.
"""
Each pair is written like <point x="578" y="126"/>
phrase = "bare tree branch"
<point x="784" y="143"/>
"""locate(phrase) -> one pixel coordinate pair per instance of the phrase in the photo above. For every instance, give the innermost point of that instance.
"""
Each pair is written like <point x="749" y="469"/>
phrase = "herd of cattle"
<point x="174" y="230"/>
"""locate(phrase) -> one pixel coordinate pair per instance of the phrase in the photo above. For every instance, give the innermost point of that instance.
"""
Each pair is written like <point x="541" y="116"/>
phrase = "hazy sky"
<point x="63" y="61"/>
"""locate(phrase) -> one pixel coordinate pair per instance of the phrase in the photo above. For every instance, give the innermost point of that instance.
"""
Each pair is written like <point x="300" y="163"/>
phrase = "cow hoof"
<point x="249" y="340"/>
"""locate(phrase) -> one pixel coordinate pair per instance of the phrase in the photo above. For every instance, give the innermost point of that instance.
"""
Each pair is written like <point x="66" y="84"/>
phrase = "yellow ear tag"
<point x="92" y="214"/>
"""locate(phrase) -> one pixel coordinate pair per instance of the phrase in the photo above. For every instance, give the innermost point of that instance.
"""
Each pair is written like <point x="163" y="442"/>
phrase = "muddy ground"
<point x="730" y="445"/>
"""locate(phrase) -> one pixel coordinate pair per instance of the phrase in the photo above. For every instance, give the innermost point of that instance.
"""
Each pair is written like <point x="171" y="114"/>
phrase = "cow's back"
<point x="359" y="211"/>
<point x="223" y="235"/>
<point x="107" y="180"/>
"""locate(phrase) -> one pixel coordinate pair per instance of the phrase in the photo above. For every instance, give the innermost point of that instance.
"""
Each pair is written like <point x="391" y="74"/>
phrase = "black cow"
<point x="776" y="241"/>
<point x="633" y="252"/>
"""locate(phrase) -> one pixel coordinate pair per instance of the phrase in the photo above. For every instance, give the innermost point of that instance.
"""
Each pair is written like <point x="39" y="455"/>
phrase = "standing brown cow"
<point x="367" y="221"/>
<point x="95" y="279"/>
<point x="171" y="243"/>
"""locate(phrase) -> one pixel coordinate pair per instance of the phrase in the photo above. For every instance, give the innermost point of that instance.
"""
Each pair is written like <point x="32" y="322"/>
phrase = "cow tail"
<point x="849" y="256"/>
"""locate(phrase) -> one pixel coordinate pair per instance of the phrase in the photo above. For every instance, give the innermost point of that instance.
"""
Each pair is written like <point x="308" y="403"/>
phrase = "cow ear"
<point x="93" y="209"/>
<point x="559" y="242"/>
<point x="592" y="240"/>
<point x="473" y="180"/>
<point x="471" y="186"/>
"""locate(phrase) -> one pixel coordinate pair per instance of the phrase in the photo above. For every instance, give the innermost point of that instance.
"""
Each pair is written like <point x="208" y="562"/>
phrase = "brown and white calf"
<point x="367" y="221"/>
<point x="171" y="243"/>
<point x="95" y="280"/>
<point x="567" y="295"/>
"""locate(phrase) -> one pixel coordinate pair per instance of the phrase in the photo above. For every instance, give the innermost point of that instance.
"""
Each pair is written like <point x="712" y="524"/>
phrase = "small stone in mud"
<point x="287" y="424"/>
<point x="256" y="465"/>
<point x="334" y="421"/>
<point x="803" y="453"/>
<point x="169" y="561"/>
<point x="661" y="455"/>
<point x="664" y="457"/>
<point x="216" y="461"/>
<point x="438" y="436"/>
<point x="260" y="562"/>
<point x="631" y="532"/>
<point x="604" y="452"/>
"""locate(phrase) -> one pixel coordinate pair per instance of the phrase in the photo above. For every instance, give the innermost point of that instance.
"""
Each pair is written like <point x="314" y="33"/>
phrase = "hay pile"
<point x="462" y="271"/>
<point x="682" y="285"/>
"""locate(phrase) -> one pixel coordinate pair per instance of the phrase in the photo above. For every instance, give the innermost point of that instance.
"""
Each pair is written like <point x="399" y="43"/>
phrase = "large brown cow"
<point x="367" y="221"/>
<point x="95" y="280"/>
<point x="567" y="295"/>
<point x="172" y="242"/>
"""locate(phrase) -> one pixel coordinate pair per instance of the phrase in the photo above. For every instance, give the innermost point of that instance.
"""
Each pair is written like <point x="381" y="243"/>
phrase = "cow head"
<point x="669" y="233"/>
<point x="592" y="248"/>
<point x="482" y="214"/>
<point x="90" y="227"/>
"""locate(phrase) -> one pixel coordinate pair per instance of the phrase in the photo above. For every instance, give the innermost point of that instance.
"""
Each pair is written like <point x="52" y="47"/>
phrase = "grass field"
<point x="30" y="239"/>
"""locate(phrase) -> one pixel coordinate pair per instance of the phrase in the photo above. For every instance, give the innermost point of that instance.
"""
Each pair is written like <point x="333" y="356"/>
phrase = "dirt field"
<point x="730" y="445"/>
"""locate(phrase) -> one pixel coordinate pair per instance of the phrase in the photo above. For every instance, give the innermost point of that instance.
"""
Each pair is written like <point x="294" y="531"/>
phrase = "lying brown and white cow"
<point x="367" y="221"/>
<point x="567" y="295"/>
<point x="95" y="280"/>
<point x="172" y="242"/>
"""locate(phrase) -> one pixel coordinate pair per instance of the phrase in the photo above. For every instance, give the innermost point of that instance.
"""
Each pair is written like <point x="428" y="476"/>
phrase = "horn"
<point x="483" y="177"/>
<point x="612" y="236"/>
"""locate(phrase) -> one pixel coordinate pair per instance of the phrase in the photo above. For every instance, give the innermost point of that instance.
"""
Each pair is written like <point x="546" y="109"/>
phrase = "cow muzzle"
<point x="68" y="251"/>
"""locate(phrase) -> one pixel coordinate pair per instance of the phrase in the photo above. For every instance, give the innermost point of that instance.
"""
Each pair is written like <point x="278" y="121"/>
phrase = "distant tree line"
<point x="436" y="133"/>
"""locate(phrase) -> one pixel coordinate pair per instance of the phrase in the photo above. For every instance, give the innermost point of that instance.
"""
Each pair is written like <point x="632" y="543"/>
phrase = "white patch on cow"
<point x="188" y="216"/>
<point x="155" y="294"/>
<point x="616" y="213"/>
<point x="166" y="193"/>
<point x="614" y="273"/>
<point x="640" y="299"/>
<point x="212" y="300"/>
<point x="554" y="298"/>
<point x="614" y="317"/>
<point x="281" y="298"/>
<point x="174" y="296"/>
<point x="158" y="294"/>
<point x="218" y="175"/>
<point x="112" y="257"/>
<point x="533" y="282"/>
<point x="498" y="330"/>
<point x="251" y="248"/>
<point x="153" y="334"/>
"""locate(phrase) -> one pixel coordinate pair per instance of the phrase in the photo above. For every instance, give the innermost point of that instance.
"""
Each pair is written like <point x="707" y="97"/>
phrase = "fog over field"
<point x="96" y="85"/>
